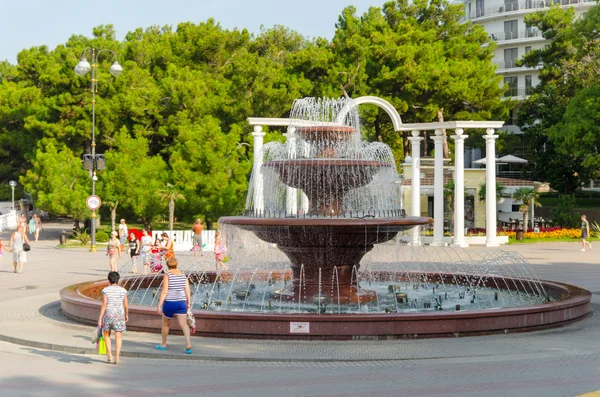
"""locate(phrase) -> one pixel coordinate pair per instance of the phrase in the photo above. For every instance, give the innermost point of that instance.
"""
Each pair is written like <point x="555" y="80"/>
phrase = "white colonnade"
<point x="459" y="180"/>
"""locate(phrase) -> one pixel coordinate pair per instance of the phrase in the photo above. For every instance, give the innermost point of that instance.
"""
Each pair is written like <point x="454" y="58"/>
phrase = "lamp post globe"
<point x="116" y="69"/>
<point x="12" y="185"/>
<point x="82" y="67"/>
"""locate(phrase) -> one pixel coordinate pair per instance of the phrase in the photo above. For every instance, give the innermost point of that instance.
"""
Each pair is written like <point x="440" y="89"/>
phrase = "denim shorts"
<point x="171" y="308"/>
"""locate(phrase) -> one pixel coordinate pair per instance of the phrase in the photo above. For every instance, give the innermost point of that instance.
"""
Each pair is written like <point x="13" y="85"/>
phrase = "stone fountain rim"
<point x="327" y="221"/>
<point x="575" y="296"/>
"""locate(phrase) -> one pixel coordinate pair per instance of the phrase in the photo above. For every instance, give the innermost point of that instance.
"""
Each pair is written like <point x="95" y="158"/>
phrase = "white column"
<point x="291" y="202"/>
<point x="259" y="198"/>
<point x="459" y="188"/>
<point x="438" y="190"/>
<point x="490" y="188"/>
<point x="415" y="185"/>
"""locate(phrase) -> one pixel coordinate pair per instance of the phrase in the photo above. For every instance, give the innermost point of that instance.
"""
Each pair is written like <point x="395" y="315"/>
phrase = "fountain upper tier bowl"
<point x="325" y="133"/>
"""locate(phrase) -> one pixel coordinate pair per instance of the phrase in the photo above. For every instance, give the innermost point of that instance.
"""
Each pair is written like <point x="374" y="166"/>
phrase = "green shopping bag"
<point x="101" y="346"/>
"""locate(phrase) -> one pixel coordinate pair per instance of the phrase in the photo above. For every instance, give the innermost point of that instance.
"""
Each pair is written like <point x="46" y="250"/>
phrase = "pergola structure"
<point x="415" y="140"/>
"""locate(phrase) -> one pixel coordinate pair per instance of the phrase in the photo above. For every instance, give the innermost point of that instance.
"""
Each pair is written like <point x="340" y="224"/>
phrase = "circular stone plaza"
<point x="44" y="353"/>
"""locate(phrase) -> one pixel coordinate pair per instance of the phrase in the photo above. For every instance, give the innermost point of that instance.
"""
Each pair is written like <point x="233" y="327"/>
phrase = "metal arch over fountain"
<point x="315" y="247"/>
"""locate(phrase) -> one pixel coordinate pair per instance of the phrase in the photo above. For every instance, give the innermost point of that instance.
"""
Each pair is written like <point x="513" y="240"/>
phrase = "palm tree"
<point x="171" y="193"/>
<point x="527" y="197"/>
<point x="482" y="191"/>
<point x="449" y="199"/>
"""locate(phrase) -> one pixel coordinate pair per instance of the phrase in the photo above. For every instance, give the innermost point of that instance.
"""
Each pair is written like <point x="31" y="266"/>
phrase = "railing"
<point x="8" y="221"/>
<point x="517" y="34"/>
<point x="521" y="5"/>
<point x="512" y="63"/>
<point x="518" y="91"/>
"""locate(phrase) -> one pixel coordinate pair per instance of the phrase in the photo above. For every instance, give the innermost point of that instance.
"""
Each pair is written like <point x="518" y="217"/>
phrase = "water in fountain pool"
<point x="400" y="278"/>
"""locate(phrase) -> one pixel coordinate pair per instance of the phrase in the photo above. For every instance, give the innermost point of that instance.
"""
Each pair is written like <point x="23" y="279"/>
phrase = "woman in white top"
<point x="114" y="313"/>
<point x="16" y="244"/>
<point x="145" y="247"/>
<point x="123" y="234"/>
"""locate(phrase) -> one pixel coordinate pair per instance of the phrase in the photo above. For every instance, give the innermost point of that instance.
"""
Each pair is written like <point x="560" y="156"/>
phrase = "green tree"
<point x="422" y="58"/>
<point x="481" y="194"/>
<point x="58" y="183"/>
<point x="527" y="197"/>
<point x="556" y="118"/>
<point x="170" y="194"/>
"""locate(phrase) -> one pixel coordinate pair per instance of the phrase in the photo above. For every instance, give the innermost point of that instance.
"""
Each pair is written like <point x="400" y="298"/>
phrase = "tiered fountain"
<point x="342" y="203"/>
<point x="326" y="207"/>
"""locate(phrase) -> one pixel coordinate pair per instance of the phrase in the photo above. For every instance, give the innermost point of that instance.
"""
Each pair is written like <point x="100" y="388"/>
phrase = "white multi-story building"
<point x="504" y="22"/>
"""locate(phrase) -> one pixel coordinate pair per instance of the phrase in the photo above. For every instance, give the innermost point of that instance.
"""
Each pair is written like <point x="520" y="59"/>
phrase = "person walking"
<point x="38" y="226"/>
<point x="113" y="250"/>
<point x="114" y="315"/>
<point x="23" y="222"/>
<point x="32" y="225"/>
<point x="166" y="246"/>
<point x="4" y="247"/>
<point x="220" y="250"/>
<point x="585" y="233"/>
<point x="145" y="249"/>
<point x="175" y="301"/>
<point x="134" y="251"/>
<point x="123" y="234"/>
<point x="17" y="239"/>
<point x="197" y="228"/>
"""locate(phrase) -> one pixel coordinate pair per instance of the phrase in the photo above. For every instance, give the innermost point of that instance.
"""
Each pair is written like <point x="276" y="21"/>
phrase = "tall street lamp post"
<point x="12" y="185"/>
<point x="82" y="68"/>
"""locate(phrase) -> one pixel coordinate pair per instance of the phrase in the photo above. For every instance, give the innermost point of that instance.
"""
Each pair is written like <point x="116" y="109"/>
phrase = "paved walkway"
<point x="51" y="356"/>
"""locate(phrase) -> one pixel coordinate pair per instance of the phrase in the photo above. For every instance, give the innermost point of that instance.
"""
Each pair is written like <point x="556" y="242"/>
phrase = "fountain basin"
<point x="81" y="302"/>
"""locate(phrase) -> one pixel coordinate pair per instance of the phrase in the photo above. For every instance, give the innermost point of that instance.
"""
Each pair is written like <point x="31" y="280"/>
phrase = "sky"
<point x="30" y="23"/>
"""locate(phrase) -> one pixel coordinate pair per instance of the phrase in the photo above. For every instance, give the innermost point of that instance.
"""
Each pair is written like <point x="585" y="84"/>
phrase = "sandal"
<point x="159" y="347"/>
<point x="109" y="360"/>
<point x="188" y="351"/>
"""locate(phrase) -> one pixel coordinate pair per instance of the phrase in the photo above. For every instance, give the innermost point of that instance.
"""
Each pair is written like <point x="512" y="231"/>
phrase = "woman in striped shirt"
<point x="175" y="300"/>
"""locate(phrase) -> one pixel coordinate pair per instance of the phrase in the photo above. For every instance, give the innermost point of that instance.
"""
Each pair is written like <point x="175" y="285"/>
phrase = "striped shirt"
<point x="176" y="291"/>
<point x="114" y="295"/>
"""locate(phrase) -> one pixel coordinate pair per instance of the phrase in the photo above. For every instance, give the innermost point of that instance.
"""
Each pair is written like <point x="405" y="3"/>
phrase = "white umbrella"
<point x="482" y="161"/>
<point x="512" y="159"/>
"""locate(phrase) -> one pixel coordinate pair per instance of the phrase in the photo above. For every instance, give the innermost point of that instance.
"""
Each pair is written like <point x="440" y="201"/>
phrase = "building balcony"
<point x="522" y="6"/>
<point x="518" y="92"/>
<point x="516" y="35"/>
<point x="510" y="66"/>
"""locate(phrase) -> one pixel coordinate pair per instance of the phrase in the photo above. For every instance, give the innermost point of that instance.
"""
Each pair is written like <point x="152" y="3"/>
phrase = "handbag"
<point x="191" y="321"/>
<point x="96" y="335"/>
<point x="26" y="247"/>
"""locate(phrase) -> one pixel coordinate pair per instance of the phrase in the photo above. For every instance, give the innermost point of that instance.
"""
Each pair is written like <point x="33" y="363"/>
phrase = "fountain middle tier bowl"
<point x="326" y="231"/>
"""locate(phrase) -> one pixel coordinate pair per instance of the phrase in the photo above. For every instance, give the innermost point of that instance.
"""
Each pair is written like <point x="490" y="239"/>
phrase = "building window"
<point x="511" y="30"/>
<point x="513" y="86"/>
<point x="479" y="7"/>
<point x="528" y="85"/>
<point x="510" y="57"/>
<point x="527" y="49"/>
<point x="511" y="5"/>
<point x="469" y="14"/>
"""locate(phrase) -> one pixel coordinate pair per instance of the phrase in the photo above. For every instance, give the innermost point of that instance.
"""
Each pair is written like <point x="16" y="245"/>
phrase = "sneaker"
<point x="583" y="249"/>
